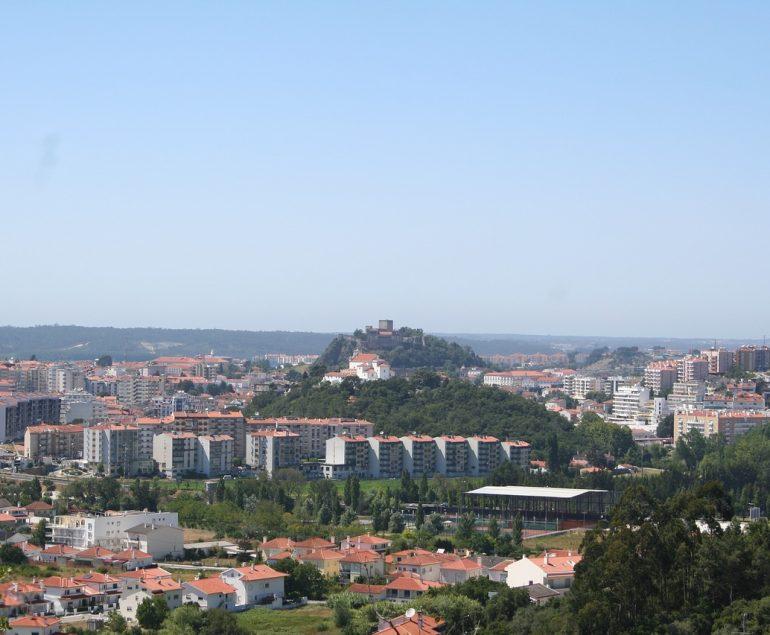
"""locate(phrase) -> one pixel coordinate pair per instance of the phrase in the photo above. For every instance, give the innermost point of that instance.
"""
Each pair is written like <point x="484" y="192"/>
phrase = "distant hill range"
<point x="410" y="348"/>
<point x="403" y="348"/>
<point x="136" y="344"/>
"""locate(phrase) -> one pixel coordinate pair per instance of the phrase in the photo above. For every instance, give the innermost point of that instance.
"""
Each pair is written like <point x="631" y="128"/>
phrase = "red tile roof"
<point x="259" y="572"/>
<point x="209" y="586"/>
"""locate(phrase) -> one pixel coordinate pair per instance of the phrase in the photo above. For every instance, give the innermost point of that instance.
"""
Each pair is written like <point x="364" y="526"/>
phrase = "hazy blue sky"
<point x="572" y="168"/>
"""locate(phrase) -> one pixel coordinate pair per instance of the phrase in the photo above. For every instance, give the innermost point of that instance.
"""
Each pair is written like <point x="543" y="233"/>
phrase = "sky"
<point x="499" y="167"/>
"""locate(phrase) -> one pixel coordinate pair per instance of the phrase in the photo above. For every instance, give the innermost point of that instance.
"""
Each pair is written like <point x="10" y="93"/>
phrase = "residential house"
<point x="406" y="589"/>
<point x="554" y="569"/>
<point x="255" y="584"/>
<point x="210" y="593"/>
<point x="34" y="625"/>
<point x="327" y="561"/>
<point x="461" y="570"/>
<point x="360" y="563"/>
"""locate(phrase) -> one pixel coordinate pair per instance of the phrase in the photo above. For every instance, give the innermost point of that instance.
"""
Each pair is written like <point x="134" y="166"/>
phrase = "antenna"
<point x="410" y="613"/>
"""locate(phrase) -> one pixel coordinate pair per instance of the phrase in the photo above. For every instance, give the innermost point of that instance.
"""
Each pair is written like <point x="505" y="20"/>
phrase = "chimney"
<point x="478" y="560"/>
<point x="264" y="539"/>
<point x="545" y="558"/>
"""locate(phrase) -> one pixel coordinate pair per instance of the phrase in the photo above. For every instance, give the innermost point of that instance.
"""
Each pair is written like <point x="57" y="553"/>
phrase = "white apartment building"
<point x="629" y="404"/>
<point x="214" y="455"/>
<point x="271" y="450"/>
<point x="109" y="530"/>
<point x="660" y="376"/>
<point x="578" y="386"/>
<point x="81" y="405"/>
<point x="688" y="394"/>
<point x="114" y="447"/>
<point x="175" y="453"/>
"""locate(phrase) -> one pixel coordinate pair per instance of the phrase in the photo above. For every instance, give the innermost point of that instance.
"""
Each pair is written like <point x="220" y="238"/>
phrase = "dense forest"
<point x="86" y="342"/>
<point x="415" y="350"/>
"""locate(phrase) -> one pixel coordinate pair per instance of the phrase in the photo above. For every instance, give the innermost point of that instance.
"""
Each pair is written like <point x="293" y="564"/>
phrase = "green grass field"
<point x="570" y="540"/>
<point x="303" y="621"/>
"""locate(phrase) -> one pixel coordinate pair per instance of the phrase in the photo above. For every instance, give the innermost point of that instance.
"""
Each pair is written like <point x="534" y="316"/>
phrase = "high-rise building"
<point x="271" y="450"/>
<point x="452" y="455"/>
<point x="18" y="411"/>
<point x="628" y="403"/>
<point x="115" y="448"/>
<point x="484" y="455"/>
<point x="386" y="456"/>
<point x="720" y="360"/>
<point x="660" y="376"/>
<point x="419" y="454"/>
<point x="753" y="358"/>
<point x="692" y="369"/>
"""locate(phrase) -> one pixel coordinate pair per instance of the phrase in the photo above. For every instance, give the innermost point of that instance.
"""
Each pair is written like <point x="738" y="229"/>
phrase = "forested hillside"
<point x="425" y="403"/>
<point x="414" y="350"/>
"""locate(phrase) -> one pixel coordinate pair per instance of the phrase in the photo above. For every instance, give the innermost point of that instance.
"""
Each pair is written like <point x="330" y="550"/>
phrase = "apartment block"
<point x="271" y="450"/>
<point x="313" y="433"/>
<point x="660" y="377"/>
<point x="386" y="456"/>
<point x="692" y="369"/>
<point x="753" y="358"/>
<point x="629" y="403"/>
<point x="175" y="453"/>
<point x="484" y="455"/>
<point x="686" y="394"/>
<point x="452" y="455"/>
<point x="18" y="411"/>
<point x="115" y="448"/>
<point x="729" y="423"/>
<point x="720" y="360"/>
<point x="578" y="386"/>
<point x="517" y="452"/>
<point x="212" y="423"/>
<point x="56" y="441"/>
<point x="419" y="454"/>
<point x="349" y="454"/>
<point x="214" y="456"/>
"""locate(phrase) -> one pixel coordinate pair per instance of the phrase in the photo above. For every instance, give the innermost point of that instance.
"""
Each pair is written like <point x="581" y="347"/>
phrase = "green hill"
<point x="408" y="348"/>
<point x="425" y="403"/>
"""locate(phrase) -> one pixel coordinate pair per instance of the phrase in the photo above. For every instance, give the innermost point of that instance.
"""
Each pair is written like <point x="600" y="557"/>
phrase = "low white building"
<point x="108" y="530"/>
<point x="160" y="541"/>
<point x="554" y="569"/>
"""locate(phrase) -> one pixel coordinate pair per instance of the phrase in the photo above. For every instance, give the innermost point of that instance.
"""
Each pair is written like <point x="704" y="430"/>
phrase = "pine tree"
<point x="419" y="520"/>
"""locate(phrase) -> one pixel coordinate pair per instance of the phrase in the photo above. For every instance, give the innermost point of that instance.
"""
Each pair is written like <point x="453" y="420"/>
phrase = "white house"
<point x="255" y="584"/>
<point x="210" y="593"/>
<point x="554" y="569"/>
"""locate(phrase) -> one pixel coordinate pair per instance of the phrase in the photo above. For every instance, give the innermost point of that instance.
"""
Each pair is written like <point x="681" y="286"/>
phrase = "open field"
<point x="302" y="621"/>
<point x="191" y="534"/>
<point x="569" y="540"/>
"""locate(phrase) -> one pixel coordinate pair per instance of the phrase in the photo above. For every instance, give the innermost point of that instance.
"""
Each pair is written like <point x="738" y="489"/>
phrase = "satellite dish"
<point x="410" y="613"/>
